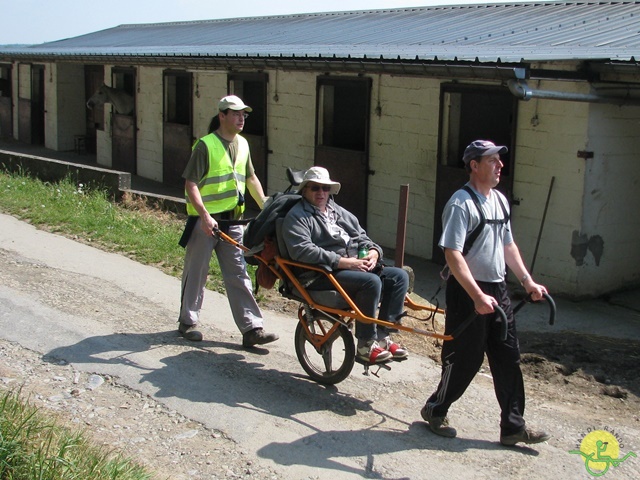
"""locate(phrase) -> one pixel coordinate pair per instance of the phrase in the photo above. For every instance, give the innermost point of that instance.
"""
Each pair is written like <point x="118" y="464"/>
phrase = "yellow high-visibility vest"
<point x="219" y="189"/>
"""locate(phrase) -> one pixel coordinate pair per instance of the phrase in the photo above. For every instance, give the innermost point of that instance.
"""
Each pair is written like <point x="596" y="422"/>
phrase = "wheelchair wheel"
<point x="331" y="362"/>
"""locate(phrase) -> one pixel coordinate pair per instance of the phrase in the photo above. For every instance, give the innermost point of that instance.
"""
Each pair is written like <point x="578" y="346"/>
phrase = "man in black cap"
<point x="477" y="243"/>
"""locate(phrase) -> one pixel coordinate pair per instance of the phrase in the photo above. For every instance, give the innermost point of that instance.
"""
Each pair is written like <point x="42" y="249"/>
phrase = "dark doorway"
<point x="123" y="127"/>
<point x="342" y="138"/>
<point x="6" y="102"/>
<point x="37" y="105"/>
<point x="31" y="110"/>
<point x="468" y="113"/>
<point x="252" y="89"/>
<point x="177" y="137"/>
<point x="93" y="79"/>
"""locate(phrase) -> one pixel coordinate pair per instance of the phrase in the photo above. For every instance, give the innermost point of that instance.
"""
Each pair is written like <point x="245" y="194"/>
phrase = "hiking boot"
<point x="398" y="352"/>
<point x="438" y="425"/>
<point x="257" y="336"/>
<point x="189" y="332"/>
<point x="371" y="352"/>
<point x="525" y="436"/>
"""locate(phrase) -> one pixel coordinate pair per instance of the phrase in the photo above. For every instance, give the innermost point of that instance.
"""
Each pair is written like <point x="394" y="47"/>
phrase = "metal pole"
<point x="544" y="216"/>
<point x="401" y="232"/>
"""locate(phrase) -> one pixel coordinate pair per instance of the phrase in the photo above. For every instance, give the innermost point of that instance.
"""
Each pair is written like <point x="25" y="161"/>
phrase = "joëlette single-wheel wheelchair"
<point x="324" y="341"/>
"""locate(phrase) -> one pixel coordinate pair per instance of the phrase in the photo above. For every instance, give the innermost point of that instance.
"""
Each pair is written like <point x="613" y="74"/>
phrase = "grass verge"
<point x="129" y="227"/>
<point x="34" y="447"/>
<point x="31" y="447"/>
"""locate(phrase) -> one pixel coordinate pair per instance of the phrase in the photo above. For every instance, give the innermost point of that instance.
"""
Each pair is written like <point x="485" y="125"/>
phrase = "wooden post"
<point x="401" y="232"/>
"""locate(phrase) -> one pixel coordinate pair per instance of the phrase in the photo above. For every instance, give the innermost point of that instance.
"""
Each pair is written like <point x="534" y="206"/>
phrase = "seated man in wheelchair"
<point x="319" y="232"/>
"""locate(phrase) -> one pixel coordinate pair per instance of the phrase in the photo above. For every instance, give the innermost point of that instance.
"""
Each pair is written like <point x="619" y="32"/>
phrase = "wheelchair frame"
<point x="326" y="330"/>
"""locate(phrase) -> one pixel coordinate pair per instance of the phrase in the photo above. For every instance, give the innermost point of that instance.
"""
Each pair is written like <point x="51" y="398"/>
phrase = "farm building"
<point x="382" y="98"/>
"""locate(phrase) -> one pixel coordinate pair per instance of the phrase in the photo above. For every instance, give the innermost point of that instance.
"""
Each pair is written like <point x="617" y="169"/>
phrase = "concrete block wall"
<point x="609" y="225"/>
<point x="104" y="148"/>
<point x="23" y="90"/>
<point x="69" y="106"/>
<point x="291" y="124"/>
<point x="403" y="151"/>
<point x="209" y="88"/>
<point x="149" y="121"/>
<point x="24" y="81"/>
<point x="50" y="106"/>
<point x="550" y="134"/>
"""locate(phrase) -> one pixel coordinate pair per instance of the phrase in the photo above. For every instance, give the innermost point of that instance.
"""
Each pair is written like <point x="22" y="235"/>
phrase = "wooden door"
<point x="177" y="141"/>
<point x="123" y="142"/>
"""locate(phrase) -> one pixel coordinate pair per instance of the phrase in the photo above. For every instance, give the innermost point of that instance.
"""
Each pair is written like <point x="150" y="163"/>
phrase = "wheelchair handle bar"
<point x="550" y="301"/>
<point x="499" y="312"/>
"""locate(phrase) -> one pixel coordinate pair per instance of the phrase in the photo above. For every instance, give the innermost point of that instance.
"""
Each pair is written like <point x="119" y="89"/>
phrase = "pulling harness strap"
<point x="472" y="237"/>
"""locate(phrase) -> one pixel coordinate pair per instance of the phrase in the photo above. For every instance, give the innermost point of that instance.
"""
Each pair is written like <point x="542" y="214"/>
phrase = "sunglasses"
<point x="324" y="188"/>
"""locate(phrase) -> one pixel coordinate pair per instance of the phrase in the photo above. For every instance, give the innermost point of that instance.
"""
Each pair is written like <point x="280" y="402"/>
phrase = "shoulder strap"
<point x="483" y="219"/>
<point x="471" y="238"/>
<point x="506" y="216"/>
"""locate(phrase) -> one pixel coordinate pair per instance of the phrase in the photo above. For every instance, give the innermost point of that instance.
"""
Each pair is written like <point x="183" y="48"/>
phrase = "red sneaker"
<point x="371" y="352"/>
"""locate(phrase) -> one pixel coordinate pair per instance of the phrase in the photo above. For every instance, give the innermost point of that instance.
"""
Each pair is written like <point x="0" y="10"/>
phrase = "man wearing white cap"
<point x="477" y="243"/>
<point x="320" y="232"/>
<point x="216" y="178"/>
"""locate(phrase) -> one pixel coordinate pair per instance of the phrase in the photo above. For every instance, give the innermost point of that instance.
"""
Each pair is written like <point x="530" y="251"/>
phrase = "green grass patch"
<point x="34" y="447"/>
<point x="129" y="227"/>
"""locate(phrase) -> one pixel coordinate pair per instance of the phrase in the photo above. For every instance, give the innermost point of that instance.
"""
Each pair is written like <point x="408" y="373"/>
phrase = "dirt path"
<point x="214" y="410"/>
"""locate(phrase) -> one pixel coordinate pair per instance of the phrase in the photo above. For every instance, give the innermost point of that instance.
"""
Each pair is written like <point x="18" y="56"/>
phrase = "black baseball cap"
<point x="479" y="148"/>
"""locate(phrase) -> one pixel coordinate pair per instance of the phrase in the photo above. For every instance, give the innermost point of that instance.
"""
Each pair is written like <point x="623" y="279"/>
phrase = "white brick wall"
<point x="611" y="197"/>
<point x="291" y="124"/>
<point x="403" y="149"/>
<point x="209" y="88"/>
<point x="550" y="133"/>
<point x="149" y="119"/>
<point x="592" y="197"/>
<point x="70" y="119"/>
<point x="103" y="137"/>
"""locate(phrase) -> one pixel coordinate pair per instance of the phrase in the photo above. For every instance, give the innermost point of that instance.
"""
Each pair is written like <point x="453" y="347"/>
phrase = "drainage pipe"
<point x="520" y="89"/>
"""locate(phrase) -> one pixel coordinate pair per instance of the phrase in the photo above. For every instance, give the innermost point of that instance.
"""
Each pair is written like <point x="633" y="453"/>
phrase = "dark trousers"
<point x="463" y="356"/>
<point x="367" y="290"/>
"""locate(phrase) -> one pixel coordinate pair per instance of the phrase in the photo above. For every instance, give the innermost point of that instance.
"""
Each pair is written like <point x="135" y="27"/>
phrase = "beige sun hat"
<point x="232" y="102"/>
<point x="319" y="175"/>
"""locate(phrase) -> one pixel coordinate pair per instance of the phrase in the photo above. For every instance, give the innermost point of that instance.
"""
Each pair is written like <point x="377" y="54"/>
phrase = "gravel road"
<point x="92" y="336"/>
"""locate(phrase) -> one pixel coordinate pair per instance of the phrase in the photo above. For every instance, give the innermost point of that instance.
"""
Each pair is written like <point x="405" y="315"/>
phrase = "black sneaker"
<point x="525" y="436"/>
<point x="189" y="332"/>
<point x="438" y="425"/>
<point x="257" y="336"/>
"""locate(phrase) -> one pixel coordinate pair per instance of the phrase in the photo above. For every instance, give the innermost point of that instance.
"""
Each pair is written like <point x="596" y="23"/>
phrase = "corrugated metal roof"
<point x="486" y="32"/>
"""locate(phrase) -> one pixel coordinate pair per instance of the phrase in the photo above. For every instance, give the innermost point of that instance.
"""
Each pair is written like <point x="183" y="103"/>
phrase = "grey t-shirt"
<point x="460" y="217"/>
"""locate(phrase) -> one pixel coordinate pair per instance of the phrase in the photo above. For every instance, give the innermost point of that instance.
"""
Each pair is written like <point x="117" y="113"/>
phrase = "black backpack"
<point x="264" y="225"/>
<point x="472" y="237"/>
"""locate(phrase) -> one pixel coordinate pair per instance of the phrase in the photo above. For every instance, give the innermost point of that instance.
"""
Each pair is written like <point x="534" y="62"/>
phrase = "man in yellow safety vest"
<point x="216" y="178"/>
